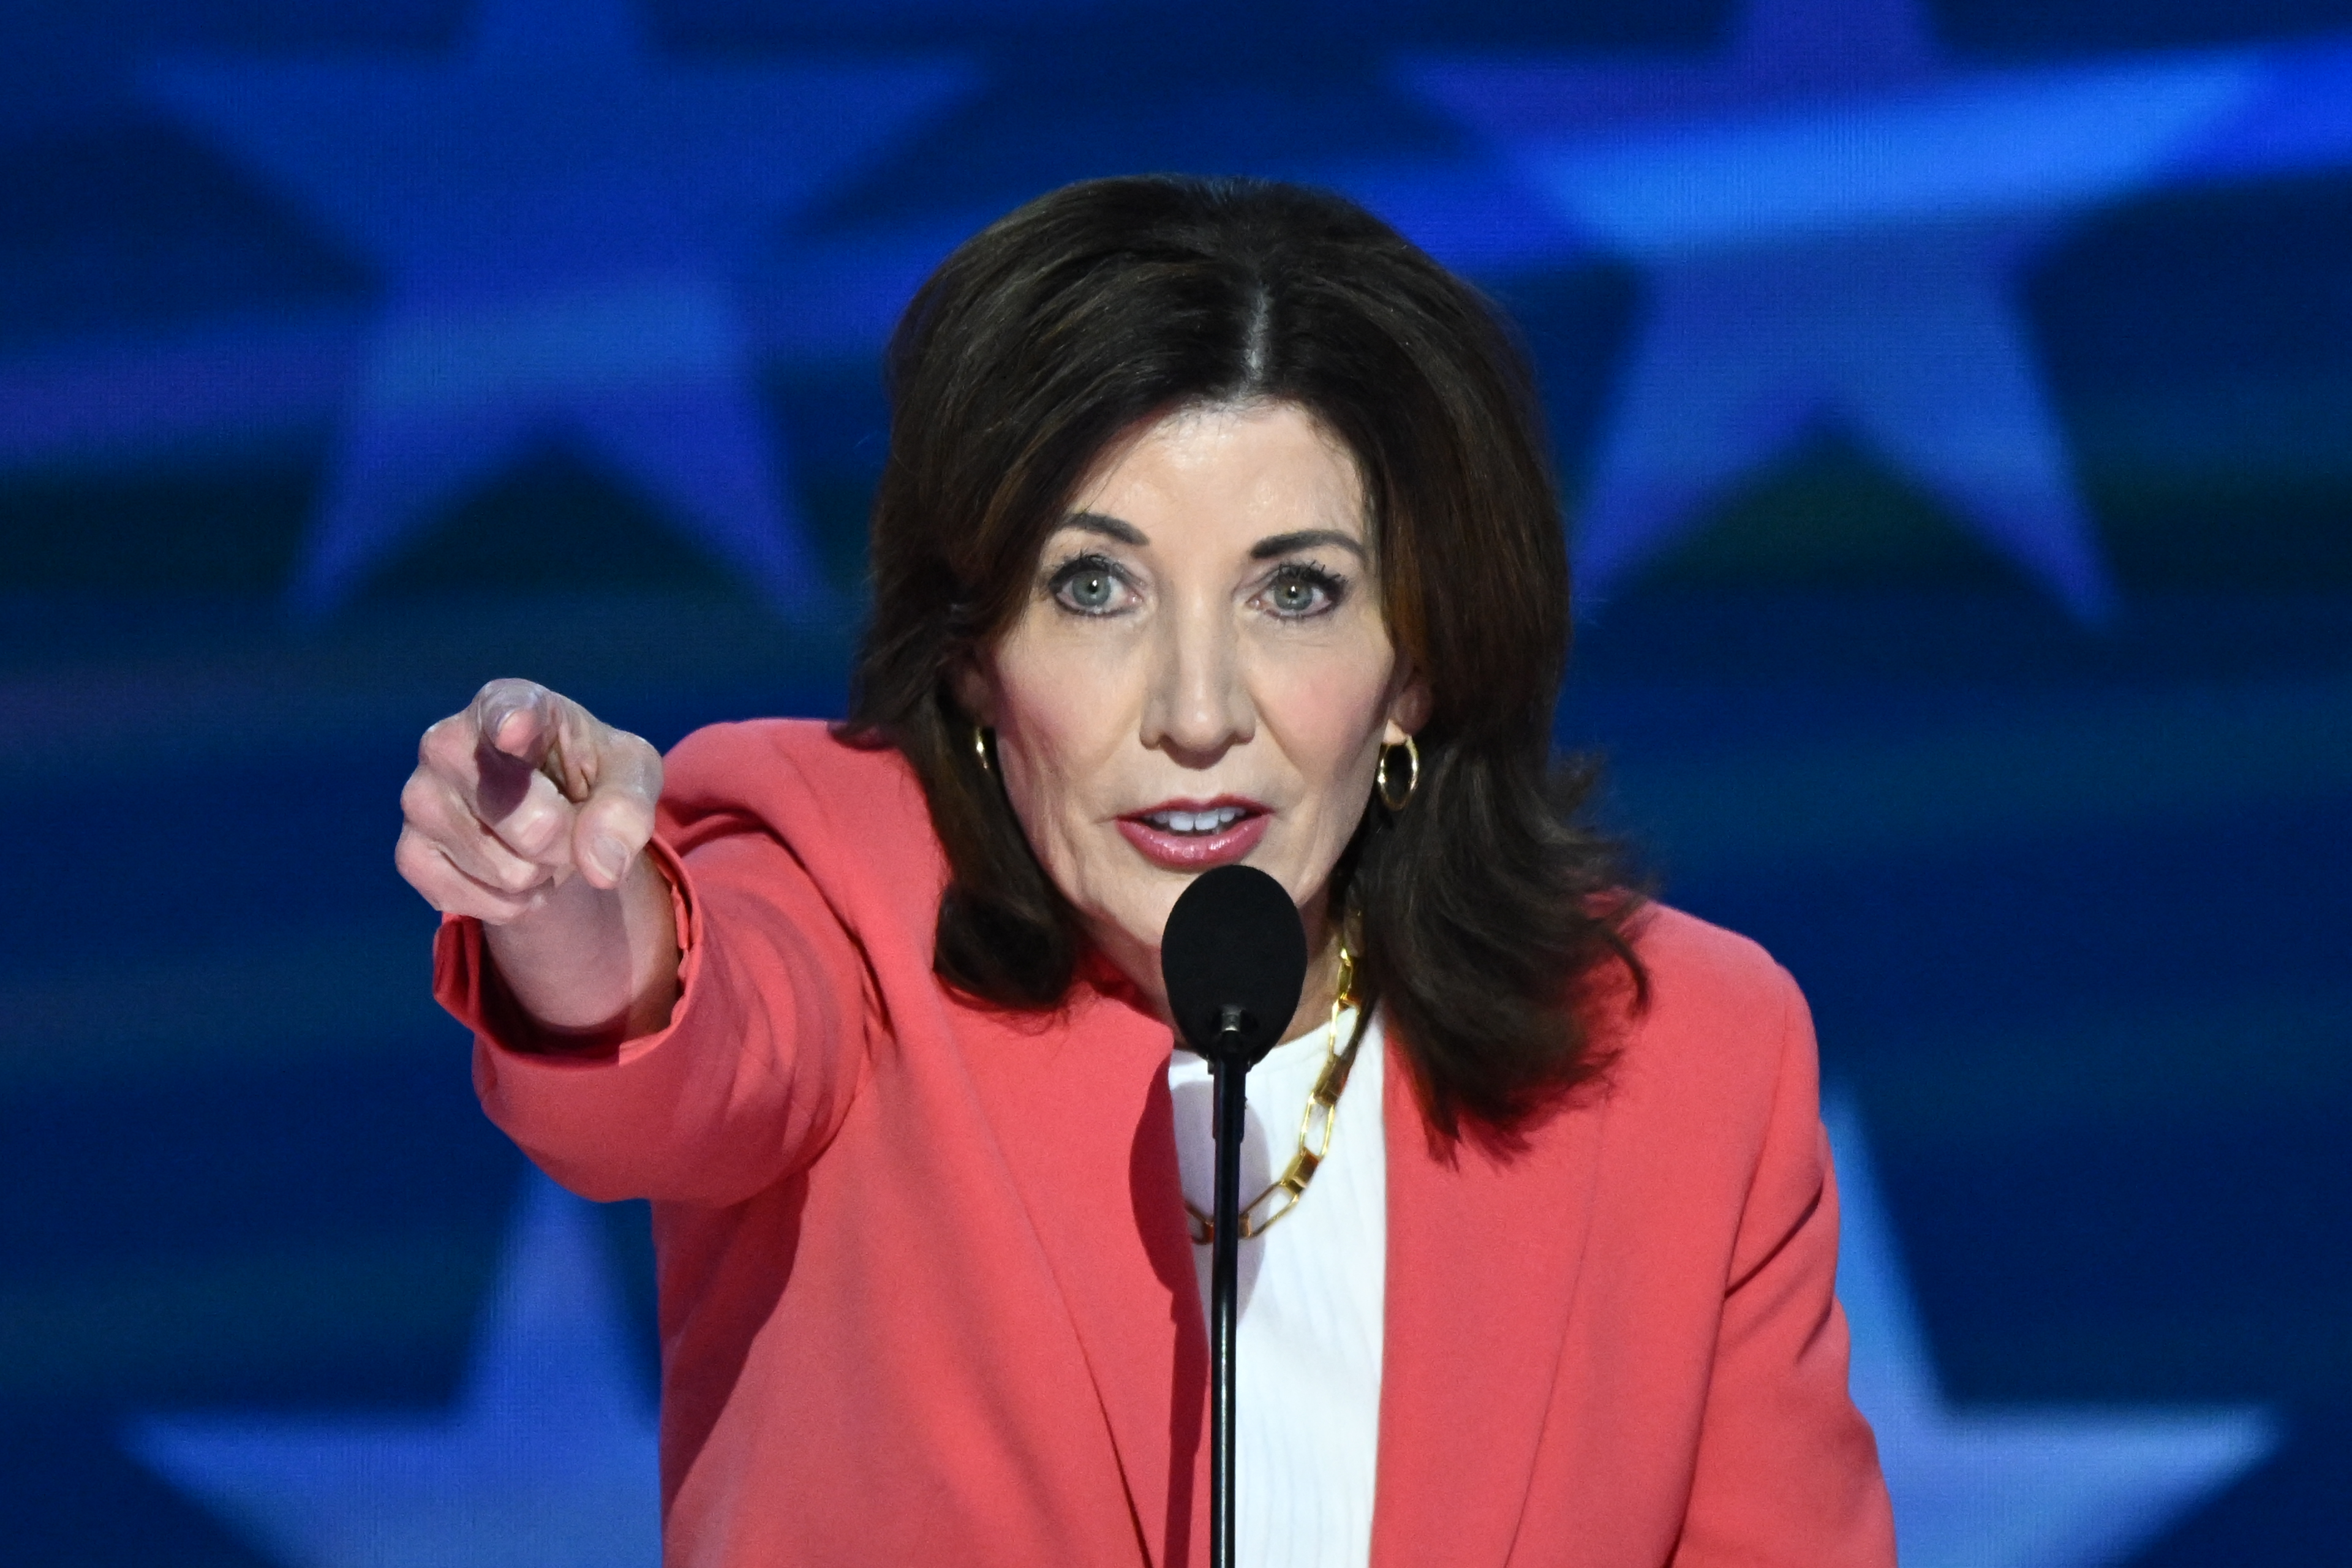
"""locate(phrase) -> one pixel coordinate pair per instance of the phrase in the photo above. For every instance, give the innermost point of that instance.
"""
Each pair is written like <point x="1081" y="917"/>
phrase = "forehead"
<point x="1233" y="464"/>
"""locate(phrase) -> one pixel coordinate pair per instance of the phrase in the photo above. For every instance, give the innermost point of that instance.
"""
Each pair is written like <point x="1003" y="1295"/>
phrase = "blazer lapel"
<point x="1483" y="1261"/>
<point x="1087" y="1130"/>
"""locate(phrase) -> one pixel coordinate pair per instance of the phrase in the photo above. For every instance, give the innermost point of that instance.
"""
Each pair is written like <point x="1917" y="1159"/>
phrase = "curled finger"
<point x="427" y="867"/>
<point x="442" y="815"/>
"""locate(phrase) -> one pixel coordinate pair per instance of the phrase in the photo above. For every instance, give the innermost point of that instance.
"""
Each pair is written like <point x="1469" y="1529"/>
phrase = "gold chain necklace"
<point x="1315" y="1124"/>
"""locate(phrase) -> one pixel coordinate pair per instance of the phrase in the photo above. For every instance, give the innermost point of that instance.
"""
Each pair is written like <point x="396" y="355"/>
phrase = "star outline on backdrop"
<point x="549" y="1453"/>
<point x="2042" y="1485"/>
<point x="1830" y="220"/>
<point x="563" y="216"/>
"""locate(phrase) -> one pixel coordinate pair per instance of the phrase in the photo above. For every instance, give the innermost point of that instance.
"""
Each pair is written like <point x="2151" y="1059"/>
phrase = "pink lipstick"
<point x="1192" y="836"/>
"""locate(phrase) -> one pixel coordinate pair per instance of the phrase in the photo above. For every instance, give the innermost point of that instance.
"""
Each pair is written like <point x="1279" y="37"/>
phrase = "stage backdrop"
<point x="1954" y="404"/>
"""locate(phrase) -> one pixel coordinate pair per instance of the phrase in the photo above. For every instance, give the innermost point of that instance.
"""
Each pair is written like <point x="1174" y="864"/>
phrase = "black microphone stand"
<point x="1229" y="1068"/>
<point x="1233" y="955"/>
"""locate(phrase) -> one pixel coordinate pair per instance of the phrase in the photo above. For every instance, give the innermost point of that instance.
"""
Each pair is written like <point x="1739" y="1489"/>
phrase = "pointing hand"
<point x="517" y="794"/>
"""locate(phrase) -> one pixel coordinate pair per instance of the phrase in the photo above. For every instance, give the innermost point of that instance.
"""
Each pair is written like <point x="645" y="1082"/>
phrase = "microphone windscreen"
<point x="1234" y="941"/>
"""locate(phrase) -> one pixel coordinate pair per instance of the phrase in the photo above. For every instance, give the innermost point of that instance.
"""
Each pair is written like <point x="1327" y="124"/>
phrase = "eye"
<point x="1301" y="590"/>
<point x="1090" y="585"/>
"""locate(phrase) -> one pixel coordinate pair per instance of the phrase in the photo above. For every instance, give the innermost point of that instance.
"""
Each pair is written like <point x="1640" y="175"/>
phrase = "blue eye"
<point x="1089" y="585"/>
<point x="1296" y="591"/>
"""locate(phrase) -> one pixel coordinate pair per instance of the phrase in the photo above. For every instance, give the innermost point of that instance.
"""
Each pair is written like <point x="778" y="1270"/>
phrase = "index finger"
<point x="517" y="726"/>
<point x="515" y="717"/>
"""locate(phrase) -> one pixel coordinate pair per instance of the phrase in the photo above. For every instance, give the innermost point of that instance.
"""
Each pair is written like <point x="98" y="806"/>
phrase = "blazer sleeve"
<point x="756" y="1069"/>
<point x="1787" y="1470"/>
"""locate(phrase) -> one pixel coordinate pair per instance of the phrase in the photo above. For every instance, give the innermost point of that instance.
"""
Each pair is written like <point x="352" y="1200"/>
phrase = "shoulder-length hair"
<point x="1481" y="915"/>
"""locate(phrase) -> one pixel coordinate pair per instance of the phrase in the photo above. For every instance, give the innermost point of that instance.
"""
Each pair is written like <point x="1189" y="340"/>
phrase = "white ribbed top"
<point x="1307" y="1361"/>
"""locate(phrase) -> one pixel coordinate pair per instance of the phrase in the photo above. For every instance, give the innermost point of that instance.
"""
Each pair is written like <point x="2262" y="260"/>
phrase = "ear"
<point x="1408" y="710"/>
<point x="976" y="693"/>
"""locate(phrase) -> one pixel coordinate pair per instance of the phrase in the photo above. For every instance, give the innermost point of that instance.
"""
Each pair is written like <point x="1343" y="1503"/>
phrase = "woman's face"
<point x="1200" y="674"/>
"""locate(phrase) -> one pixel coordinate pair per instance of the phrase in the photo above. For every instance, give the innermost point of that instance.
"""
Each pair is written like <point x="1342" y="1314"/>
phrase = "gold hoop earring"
<point x="980" y="749"/>
<point x="1388" y="797"/>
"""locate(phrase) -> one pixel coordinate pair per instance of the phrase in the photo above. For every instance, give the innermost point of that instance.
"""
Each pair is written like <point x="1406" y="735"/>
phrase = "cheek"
<point x="1330" y="714"/>
<point x="1059" y="725"/>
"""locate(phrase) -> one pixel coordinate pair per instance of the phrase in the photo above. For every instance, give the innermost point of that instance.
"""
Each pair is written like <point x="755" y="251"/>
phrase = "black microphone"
<point x="1234" y="958"/>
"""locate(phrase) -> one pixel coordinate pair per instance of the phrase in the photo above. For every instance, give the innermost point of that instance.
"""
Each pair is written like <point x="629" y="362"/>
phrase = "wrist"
<point x="588" y="965"/>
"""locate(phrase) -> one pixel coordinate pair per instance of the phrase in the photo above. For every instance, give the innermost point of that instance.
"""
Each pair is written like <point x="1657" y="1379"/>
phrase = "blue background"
<point x="2041" y="785"/>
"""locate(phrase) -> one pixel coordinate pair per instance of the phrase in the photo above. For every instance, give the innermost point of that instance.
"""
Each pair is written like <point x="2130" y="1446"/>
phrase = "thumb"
<point x="616" y="820"/>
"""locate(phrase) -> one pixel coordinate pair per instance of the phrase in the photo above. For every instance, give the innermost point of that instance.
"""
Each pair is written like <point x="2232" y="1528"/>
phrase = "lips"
<point x="1192" y="836"/>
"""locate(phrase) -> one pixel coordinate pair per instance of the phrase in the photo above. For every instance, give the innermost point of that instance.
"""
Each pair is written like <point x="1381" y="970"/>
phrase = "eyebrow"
<point x="1305" y="539"/>
<point x="1266" y="549"/>
<point x="1109" y="527"/>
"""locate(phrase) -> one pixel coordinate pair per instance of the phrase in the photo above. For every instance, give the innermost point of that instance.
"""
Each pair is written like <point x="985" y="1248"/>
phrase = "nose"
<point x="1197" y="706"/>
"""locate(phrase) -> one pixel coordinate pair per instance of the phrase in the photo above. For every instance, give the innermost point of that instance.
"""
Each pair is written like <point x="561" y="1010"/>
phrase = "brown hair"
<point x="1482" y="914"/>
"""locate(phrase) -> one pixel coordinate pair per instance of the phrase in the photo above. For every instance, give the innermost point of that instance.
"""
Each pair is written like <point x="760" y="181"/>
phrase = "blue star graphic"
<point x="2037" y="1488"/>
<point x="1831" y="221"/>
<point x="549" y="1456"/>
<point x="563" y="222"/>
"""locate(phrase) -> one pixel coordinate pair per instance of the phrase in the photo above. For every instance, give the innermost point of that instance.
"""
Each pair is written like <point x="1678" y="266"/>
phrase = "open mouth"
<point x="1216" y="819"/>
<point x="1192" y="836"/>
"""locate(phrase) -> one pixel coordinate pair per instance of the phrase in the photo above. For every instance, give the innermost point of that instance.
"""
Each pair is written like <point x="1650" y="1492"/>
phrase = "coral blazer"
<point x="926" y="1294"/>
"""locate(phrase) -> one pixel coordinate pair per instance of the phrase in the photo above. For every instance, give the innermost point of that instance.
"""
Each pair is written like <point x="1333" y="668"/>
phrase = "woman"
<point x="1214" y="527"/>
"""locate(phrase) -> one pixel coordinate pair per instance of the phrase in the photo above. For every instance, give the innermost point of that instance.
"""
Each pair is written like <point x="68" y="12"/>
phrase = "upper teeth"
<point x="1209" y="821"/>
